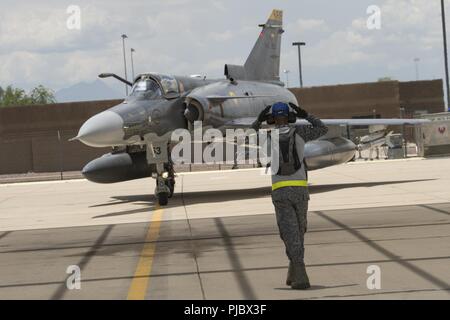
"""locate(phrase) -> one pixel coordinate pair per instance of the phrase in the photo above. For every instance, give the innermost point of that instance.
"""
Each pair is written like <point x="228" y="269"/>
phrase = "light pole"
<point x="132" y="63"/>
<point x="444" y="34"/>
<point x="124" y="36"/>
<point x="299" y="44"/>
<point x="416" y="62"/>
<point x="286" y="72"/>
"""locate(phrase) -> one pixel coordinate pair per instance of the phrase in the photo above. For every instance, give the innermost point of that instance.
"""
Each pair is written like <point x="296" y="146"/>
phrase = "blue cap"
<point x="280" y="109"/>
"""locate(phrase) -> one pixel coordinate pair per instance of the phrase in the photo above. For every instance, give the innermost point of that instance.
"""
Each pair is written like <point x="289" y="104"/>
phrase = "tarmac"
<point x="218" y="238"/>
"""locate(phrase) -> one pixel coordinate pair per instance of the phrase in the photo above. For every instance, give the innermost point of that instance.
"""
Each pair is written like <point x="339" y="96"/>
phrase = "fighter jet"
<point x="139" y="129"/>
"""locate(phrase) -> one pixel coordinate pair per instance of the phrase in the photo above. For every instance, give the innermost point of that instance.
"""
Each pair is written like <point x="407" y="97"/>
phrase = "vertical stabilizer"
<point x="263" y="63"/>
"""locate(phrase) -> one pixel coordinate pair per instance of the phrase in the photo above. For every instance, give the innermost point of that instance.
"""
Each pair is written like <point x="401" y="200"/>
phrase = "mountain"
<point x="83" y="91"/>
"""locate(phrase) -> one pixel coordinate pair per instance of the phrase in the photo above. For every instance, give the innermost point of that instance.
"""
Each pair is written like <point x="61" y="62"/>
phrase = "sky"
<point x="184" y="37"/>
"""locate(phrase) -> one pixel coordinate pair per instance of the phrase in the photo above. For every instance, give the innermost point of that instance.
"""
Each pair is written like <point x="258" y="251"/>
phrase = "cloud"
<point x="220" y="36"/>
<point x="305" y="25"/>
<point x="30" y="29"/>
<point x="409" y="28"/>
<point x="195" y="36"/>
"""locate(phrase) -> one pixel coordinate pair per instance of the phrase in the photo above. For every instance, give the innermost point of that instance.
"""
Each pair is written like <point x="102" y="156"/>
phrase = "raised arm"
<point x="309" y="132"/>
<point x="313" y="131"/>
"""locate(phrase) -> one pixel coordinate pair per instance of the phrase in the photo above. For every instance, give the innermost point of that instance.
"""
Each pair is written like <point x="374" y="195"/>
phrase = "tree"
<point x="42" y="95"/>
<point x="14" y="96"/>
<point x="18" y="97"/>
<point x="383" y="79"/>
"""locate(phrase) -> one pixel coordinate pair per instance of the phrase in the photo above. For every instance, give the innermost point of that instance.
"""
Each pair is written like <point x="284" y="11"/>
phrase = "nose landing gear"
<point x="162" y="191"/>
<point x="165" y="186"/>
<point x="158" y="154"/>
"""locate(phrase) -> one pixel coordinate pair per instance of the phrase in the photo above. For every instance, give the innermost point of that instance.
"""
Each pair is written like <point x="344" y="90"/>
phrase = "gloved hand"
<point x="256" y="125"/>
<point x="299" y="112"/>
<point x="261" y="118"/>
<point x="263" y="115"/>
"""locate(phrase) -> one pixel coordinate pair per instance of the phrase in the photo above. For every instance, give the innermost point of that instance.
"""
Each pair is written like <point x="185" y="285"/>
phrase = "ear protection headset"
<point x="292" y="118"/>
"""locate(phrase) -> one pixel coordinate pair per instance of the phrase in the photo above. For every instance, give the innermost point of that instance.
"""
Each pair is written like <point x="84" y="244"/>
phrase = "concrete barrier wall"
<point x="25" y="120"/>
<point x="418" y="96"/>
<point x="29" y="137"/>
<point x="29" y="134"/>
<point x="383" y="99"/>
<point x="354" y="100"/>
<point x="16" y="156"/>
<point x="435" y="136"/>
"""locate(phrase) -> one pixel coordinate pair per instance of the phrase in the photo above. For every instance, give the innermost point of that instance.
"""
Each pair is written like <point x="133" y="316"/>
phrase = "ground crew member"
<point x="289" y="183"/>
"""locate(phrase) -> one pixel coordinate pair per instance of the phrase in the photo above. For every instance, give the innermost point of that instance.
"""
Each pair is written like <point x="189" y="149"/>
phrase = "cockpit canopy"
<point x="147" y="88"/>
<point x="155" y="86"/>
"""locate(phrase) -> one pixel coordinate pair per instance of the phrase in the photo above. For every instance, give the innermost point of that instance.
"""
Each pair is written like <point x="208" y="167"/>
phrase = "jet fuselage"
<point x="159" y="109"/>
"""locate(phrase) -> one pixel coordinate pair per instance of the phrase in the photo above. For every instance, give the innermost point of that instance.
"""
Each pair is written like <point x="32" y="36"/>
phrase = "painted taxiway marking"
<point x="141" y="278"/>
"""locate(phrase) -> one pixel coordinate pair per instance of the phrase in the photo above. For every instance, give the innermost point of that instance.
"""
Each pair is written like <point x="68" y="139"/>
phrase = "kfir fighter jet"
<point x="139" y="129"/>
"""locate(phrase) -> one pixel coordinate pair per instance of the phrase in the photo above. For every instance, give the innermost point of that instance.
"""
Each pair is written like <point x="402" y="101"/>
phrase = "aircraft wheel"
<point x="171" y="185"/>
<point x="163" y="198"/>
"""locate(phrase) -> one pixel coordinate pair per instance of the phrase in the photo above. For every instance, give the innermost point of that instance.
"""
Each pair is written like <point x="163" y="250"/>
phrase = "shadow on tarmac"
<point x="316" y="287"/>
<point x="148" y="200"/>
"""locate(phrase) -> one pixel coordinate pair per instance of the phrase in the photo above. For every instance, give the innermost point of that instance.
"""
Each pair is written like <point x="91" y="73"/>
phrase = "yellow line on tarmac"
<point x="141" y="279"/>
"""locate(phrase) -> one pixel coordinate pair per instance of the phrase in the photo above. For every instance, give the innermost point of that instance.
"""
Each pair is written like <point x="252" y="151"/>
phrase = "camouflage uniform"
<point x="291" y="207"/>
<point x="291" y="202"/>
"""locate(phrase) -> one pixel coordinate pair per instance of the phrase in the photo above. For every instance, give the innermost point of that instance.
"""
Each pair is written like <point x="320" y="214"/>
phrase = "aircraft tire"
<point x="163" y="198"/>
<point x="170" y="183"/>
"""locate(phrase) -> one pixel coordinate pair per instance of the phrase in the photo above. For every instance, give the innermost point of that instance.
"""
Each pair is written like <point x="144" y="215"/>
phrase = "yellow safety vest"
<point x="289" y="183"/>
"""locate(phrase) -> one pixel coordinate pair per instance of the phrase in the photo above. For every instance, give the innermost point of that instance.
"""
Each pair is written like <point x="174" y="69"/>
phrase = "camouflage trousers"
<point x="291" y="207"/>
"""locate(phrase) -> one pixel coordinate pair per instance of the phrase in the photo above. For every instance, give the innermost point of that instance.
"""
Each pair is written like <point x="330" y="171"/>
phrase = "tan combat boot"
<point x="300" y="280"/>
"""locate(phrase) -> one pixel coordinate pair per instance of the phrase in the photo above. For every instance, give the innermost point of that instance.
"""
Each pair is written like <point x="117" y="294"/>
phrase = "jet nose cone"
<point x="102" y="130"/>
